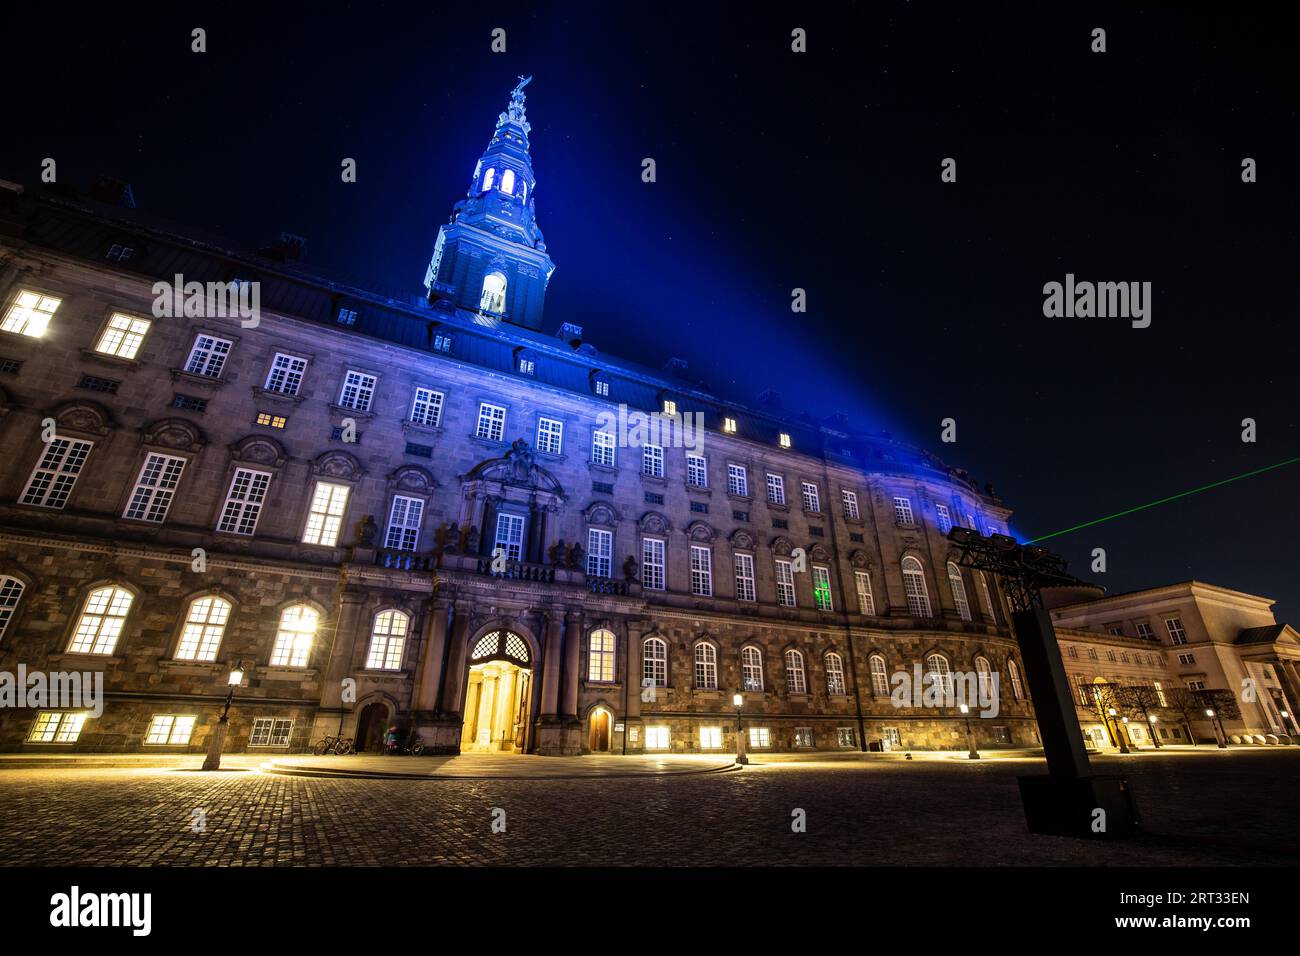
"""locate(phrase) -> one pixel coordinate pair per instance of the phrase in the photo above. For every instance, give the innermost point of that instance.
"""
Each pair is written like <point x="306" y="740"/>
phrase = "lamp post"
<point x="1155" y="735"/>
<point x="217" y="739"/>
<point x="1220" y="735"/>
<point x="974" y="753"/>
<point x="1126" y="734"/>
<point x="738" y="701"/>
<point x="1119" y="731"/>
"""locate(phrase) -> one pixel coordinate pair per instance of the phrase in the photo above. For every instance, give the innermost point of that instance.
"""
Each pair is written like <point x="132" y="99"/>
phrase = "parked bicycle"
<point x="413" y="746"/>
<point x="336" y="745"/>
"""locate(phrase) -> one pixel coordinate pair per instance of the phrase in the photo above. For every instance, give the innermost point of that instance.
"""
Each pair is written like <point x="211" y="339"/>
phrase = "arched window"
<point x="654" y="662"/>
<point x="494" y="293"/>
<point x="600" y="656"/>
<point x="879" y="676"/>
<point x="11" y="592"/>
<point x="796" y="681"/>
<point x="918" y="599"/>
<point x="489" y="178"/>
<point x="834" y="675"/>
<point x="937" y="665"/>
<point x="294" y="638"/>
<point x="205" y="624"/>
<point x="508" y="181"/>
<point x="984" y="673"/>
<point x="1013" y="672"/>
<point x="101" y="621"/>
<point x="984" y="593"/>
<point x="958" y="591"/>
<point x="706" y="666"/>
<point x="751" y="666"/>
<point x="388" y="641"/>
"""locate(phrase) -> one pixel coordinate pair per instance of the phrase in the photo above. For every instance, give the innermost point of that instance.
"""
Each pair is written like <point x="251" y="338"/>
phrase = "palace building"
<point x="409" y="513"/>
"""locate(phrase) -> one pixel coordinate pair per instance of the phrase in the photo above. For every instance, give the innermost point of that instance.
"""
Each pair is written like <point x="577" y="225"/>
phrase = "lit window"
<point x="56" y="473"/>
<point x="918" y="598"/>
<point x="550" y="435"/>
<point x="30" y="313"/>
<point x="866" y="600"/>
<point x="811" y="499"/>
<point x="657" y="738"/>
<point x="701" y="571"/>
<point x="892" y="737"/>
<point x="785" y="440"/>
<point x="101" y="621"/>
<point x="155" y="488"/>
<point x="737" y="480"/>
<point x="751" y="668"/>
<point x="850" y="501"/>
<point x="835" y="675"/>
<point x="652" y="564"/>
<point x="426" y="409"/>
<point x="404" y="517"/>
<point x="508" y="181"/>
<point x="776" y="489"/>
<point x="1017" y="690"/>
<point x="294" y="638"/>
<point x="11" y="592"/>
<point x="491" y="422"/>
<point x="602" y="388"/>
<point x="706" y="666"/>
<point x="670" y="407"/>
<point x="286" y="374"/>
<point x="784" y="583"/>
<point x="760" y="738"/>
<point x="652" y="461"/>
<point x="244" y="501"/>
<point x="602" y="449"/>
<point x="122" y="336"/>
<point x="600" y="552"/>
<point x="57" y="727"/>
<point x="171" y="730"/>
<point x="710" y="738"/>
<point x="600" y="656"/>
<point x="358" y="391"/>
<point x="822" y="588"/>
<point x="271" y="421"/>
<point x="945" y="519"/>
<point x="489" y="178"/>
<point x="958" y="591"/>
<point x="493" y="298"/>
<point x="984" y="674"/>
<point x="936" y="665"/>
<point x="329" y="503"/>
<point x="903" y="510"/>
<point x="205" y="624"/>
<point x="1160" y="694"/>
<point x="527" y="366"/>
<point x="270" y="732"/>
<point x="729" y="426"/>
<point x="510" y="536"/>
<point x="879" y="676"/>
<point x="654" y="662"/>
<point x="387" y="640"/>
<point x="744" y="577"/>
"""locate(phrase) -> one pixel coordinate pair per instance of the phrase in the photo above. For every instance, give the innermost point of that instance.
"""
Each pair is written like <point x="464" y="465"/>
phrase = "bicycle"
<point x="339" y="745"/>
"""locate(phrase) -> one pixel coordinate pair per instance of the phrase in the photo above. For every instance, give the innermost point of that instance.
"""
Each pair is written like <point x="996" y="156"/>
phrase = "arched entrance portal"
<point x="372" y="724"/>
<point x="498" y="695"/>
<point x="598" y="739"/>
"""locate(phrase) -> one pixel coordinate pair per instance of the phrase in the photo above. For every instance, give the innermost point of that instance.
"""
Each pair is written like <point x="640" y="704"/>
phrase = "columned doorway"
<point x="498" y="695"/>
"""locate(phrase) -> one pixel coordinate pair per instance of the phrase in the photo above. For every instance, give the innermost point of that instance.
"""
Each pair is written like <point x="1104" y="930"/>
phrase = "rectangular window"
<point x="652" y="563"/>
<point x="347" y="316"/>
<point x="902" y="510"/>
<point x="845" y="737"/>
<point x="866" y="600"/>
<point x="329" y="503"/>
<point x="550" y="435"/>
<point x="657" y="738"/>
<point x="740" y="515"/>
<point x="426" y="408"/>
<point x="56" y="727"/>
<point x="55" y="474"/>
<point x="784" y="583"/>
<point x="602" y="448"/>
<point x="653" y="499"/>
<point x="30" y="313"/>
<point x="602" y="389"/>
<point x="491" y="422"/>
<point x="208" y="356"/>
<point x="527" y="366"/>
<point x="442" y="343"/>
<point x="170" y="730"/>
<point x="600" y="552"/>
<point x="670" y="407"/>
<point x="822" y="588"/>
<point x="850" y="500"/>
<point x="1196" y="685"/>
<point x="1144" y="631"/>
<point x="510" y="536"/>
<point x="602" y="488"/>
<point x="697" y="472"/>
<point x="1174" y="626"/>
<point x="123" y="336"/>
<point x="780" y="523"/>
<point x="710" y="738"/>
<point x="811" y="500"/>
<point x="701" y="571"/>
<point x="944" y="518"/>
<point x="271" y="421"/>
<point x="784" y="439"/>
<point x="1187" y="658"/>
<point x="760" y="738"/>
<point x="10" y="366"/>
<point x="744" y="577"/>
<point x="893" y="739"/>
<point x="93" y="383"/>
<point x="244" y="501"/>
<point x="286" y="374"/>
<point x="358" y="391"/>
<point x="189" y="403"/>
<point x="803" y="737"/>
<point x="270" y="732"/>
<point x="418" y="450"/>
<point x="699" y="507"/>
<point x="738" y="480"/>
<point x="652" y="461"/>
<point x="776" y="489"/>
<point x="729" y="426"/>
<point x="404" y="523"/>
<point x="155" y="488"/>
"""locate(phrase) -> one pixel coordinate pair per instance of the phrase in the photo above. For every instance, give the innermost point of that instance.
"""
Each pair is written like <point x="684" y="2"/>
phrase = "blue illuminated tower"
<point x="491" y="257"/>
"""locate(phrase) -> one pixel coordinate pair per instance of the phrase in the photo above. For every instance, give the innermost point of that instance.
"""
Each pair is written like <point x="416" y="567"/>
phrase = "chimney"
<point x="115" y="192"/>
<point x="288" y="248"/>
<point x="570" y="334"/>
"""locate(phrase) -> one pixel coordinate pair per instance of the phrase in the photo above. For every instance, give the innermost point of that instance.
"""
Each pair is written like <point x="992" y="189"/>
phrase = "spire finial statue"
<point x="515" y="111"/>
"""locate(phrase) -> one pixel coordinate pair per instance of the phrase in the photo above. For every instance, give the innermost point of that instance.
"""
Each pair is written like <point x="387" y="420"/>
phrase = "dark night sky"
<point x="779" y="170"/>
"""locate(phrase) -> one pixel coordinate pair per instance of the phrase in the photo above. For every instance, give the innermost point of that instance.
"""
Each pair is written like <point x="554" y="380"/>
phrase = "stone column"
<point x="453" y="681"/>
<point x="572" y="645"/>
<point x="632" y="709"/>
<point x="1290" y="679"/>
<point x="551" y="665"/>
<point x="343" y="649"/>
<point x="429" y="670"/>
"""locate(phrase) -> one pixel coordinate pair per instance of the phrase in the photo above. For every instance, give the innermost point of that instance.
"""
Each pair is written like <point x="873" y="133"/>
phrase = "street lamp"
<point x="738" y="701"/>
<point x="970" y="737"/>
<point x="1220" y="735"/>
<point x="1119" y="732"/>
<point x="1155" y="734"/>
<point x="217" y="739"/>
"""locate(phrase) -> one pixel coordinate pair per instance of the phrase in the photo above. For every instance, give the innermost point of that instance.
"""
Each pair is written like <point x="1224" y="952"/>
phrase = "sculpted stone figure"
<point x="366" y="531"/>
<point x="631" y="569"/>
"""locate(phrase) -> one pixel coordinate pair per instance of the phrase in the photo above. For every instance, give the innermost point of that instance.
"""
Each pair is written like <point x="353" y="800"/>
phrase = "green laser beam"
<point x="1152" y="504"/>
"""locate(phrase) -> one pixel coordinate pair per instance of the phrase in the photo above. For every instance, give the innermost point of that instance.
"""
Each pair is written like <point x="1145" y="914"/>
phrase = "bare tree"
<point x="1183" y="703"/>
<point x="1143" y="699"/>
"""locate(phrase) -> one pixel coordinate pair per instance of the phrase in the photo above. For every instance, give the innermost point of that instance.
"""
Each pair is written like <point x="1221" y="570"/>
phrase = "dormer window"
<point x="602" y="388"/>
<point x="729" y="426"/>
<point x="347" y="316"/>
<point x="508" y="181"/>
<point x="493" y="298"/>
<point x="489" y="178"/>
<point x="784" y="439"/>
<point x="527" y="366"/>
<point x="442" y="342"/>
<point x="670" y="407"/>
<point x="119" y="253"/>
